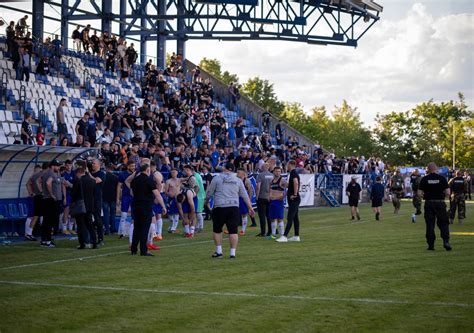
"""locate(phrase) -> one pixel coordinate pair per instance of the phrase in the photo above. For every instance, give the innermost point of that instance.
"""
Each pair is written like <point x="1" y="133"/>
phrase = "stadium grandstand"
<point x="97" y="98"/>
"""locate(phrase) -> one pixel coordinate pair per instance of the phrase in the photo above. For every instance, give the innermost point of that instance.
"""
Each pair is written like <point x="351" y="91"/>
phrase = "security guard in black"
<point x="458" y="187"/>
<point x="142" y="205"/>
<point x="434" y="188"/>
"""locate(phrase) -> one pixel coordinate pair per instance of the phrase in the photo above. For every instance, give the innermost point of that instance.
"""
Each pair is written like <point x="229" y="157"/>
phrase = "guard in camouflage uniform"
<point x="396" y="186"/>
<point x="458" y="186"/>
<point x="415" y="183"/>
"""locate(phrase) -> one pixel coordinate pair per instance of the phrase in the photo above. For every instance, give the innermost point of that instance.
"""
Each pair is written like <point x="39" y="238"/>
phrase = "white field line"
<point x="91" y="257"/>
<point x="235" y="294"/>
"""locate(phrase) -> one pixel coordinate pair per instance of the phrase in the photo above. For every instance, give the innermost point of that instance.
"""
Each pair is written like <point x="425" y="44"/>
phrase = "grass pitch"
<point x="343" y="277"/>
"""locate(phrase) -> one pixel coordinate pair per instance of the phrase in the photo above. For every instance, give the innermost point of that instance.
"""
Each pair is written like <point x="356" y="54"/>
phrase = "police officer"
<point x="458" y="187"/>
<point x="434" y="189"/>
<point x="144" y="193"/>
<point x="415" y="179"/>
<point x="226" y="188"/>
<point x="396" y="186"/>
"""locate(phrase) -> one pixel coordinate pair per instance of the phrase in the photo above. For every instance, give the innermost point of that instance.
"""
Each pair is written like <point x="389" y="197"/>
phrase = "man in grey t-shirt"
<point x="62" y="127"/>
<point x="53" y="190"/>
<point x="263" y="199"/>
<point x="226" y="188"/>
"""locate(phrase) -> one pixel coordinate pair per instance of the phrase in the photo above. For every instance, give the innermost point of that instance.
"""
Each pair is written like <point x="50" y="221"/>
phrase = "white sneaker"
<point x="294" y="239"/>
<point x="282" y="239"/>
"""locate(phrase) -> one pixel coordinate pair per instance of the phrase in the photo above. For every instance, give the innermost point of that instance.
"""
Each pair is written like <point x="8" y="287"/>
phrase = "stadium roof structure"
<point x="17" y="163"/>
<point x="320" y="22"/>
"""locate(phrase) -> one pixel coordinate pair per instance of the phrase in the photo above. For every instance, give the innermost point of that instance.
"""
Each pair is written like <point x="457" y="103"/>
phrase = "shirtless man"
<point x="172" y="189"/>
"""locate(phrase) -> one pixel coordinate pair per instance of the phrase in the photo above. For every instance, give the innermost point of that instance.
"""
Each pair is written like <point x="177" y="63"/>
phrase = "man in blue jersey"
<point x="68" y="177"/>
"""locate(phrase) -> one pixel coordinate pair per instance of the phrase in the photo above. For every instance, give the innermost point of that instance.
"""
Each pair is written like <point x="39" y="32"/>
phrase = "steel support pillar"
<point x="181" y="41"/>
<point x="107" y="15"/>
<point x="161" y="40"/>
<point x="123" y="12"/>
<point x="37" y="19"/>
<point x="143" y="41"/>
<point x="64" y="23"/>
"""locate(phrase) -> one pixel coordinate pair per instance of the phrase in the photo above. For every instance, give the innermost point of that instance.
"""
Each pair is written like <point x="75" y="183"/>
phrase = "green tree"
<point x="345" y="133"/>
<point x="212" y="66"/>
<point x="425" y="134"/>
<point x="262" y="93"/>
<point x="227" y="78"/>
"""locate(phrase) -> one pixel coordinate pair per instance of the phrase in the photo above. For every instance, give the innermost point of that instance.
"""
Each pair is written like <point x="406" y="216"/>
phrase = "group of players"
<point x="182" y="197"/>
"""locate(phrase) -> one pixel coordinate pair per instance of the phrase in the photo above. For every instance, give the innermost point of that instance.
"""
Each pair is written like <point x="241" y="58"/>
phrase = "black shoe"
<point x="260" y="235"/>
<point x="217" y="255"/>
<point x="50" y="245"/>
<point x="418" y="212"/>
<point x="253" y="225"/>
<point x="30" y="238"/>
<point x="430" y="248"/>
<point x="94" y="246"/>
<point x="232" y="257"/>
<point x="120" y="236"/>
<point x="147" y="254"/>
<point x="81" y="247"/>
<point x="447" y="246"/>
<point x="377" y="216"/>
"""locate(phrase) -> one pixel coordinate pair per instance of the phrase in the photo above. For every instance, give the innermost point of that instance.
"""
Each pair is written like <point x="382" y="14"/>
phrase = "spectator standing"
<point x="84" y="189"/>
<point x="109" y="199"/>
<point x="26" y="130"/>
<point x="61" y="121"/>
<point x="264" y="179"/>
<point x="76" y="38"/>
<point x="24" y="63"/>
<point x="99" y="176"/>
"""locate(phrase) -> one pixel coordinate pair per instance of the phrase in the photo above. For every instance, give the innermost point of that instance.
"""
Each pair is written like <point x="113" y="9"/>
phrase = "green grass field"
<point x="343" y="277"/>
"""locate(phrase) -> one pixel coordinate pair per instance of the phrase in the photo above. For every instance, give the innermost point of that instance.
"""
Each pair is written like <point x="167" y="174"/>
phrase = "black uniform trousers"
<point x="435" y="213"/>
<point x="98" y="223"/>
<point x="292" y="217"/>
<point x="142" y="221"/>
<point x="51" y="212"/>
<point x="85" y="228"/>
<point x="263" y="208"/>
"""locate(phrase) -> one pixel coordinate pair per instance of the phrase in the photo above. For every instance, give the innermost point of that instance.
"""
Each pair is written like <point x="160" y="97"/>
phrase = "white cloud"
<point x="397" y="65"/>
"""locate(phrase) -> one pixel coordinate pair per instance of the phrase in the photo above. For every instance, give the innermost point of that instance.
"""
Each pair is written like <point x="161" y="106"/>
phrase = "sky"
<point x="419" y="50"/>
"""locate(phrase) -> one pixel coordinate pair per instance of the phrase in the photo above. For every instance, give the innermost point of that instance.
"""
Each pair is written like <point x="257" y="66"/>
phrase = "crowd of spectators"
<point x="174" y="126"/>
